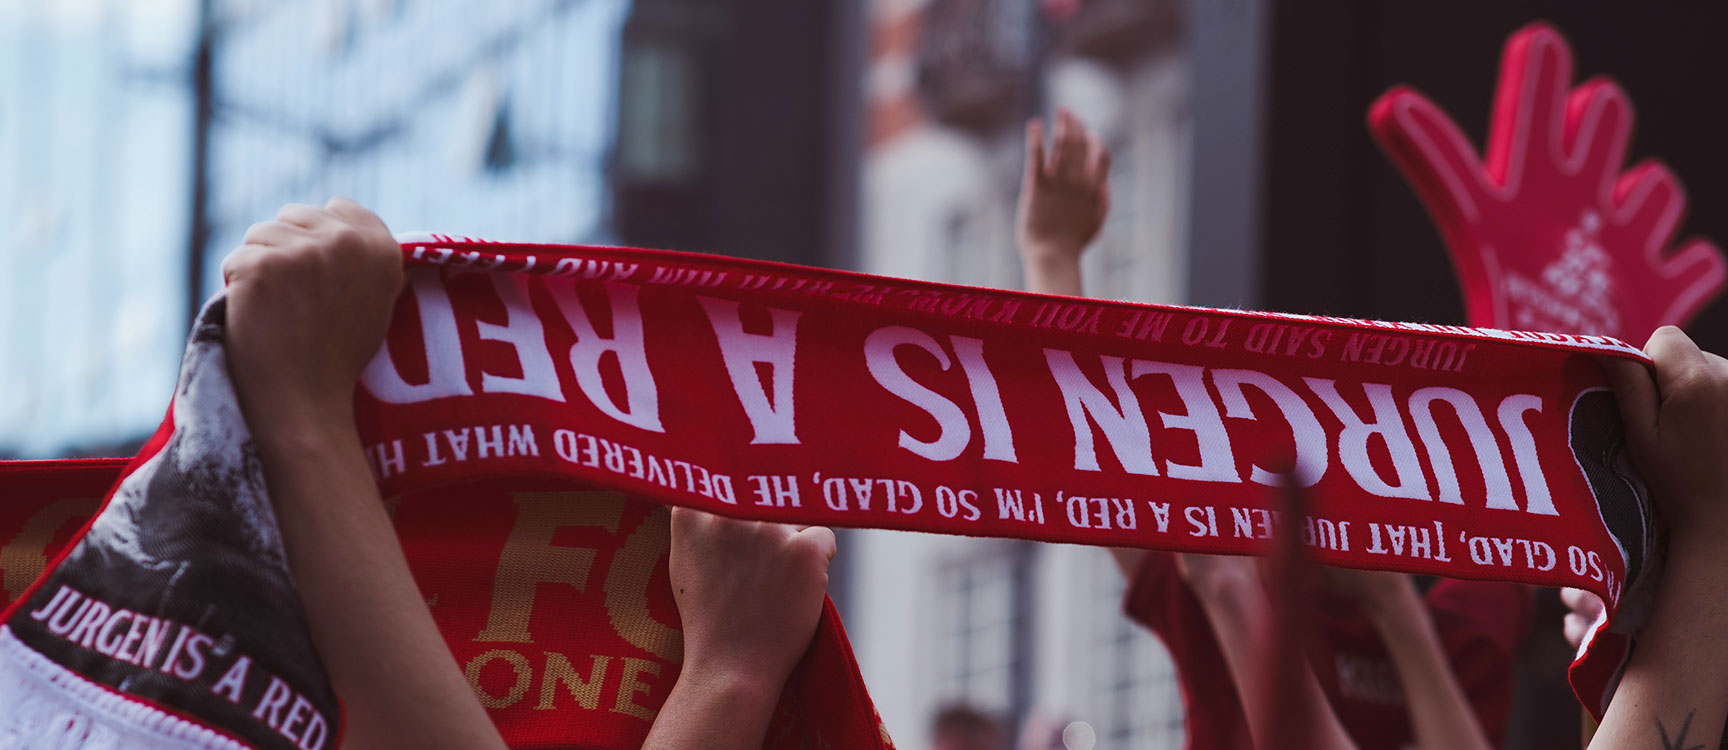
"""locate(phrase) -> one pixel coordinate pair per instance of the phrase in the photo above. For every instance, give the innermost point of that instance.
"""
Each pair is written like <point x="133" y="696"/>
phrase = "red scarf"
<point x="518" y="381"/>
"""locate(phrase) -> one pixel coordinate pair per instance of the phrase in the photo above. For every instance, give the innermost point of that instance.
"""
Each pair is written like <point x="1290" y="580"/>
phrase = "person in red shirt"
<point x="1479" y="625"/>
<point x="1464" y="630"/>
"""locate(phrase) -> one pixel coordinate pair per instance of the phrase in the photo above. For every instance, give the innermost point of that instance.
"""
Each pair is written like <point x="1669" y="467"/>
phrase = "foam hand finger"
<point x="1598" y="130"/>
<point x="1431" y="151"/>
<point x="1529" y="110"/>
<point x="1701" y="269"/>
<point x="1652" y="203"/>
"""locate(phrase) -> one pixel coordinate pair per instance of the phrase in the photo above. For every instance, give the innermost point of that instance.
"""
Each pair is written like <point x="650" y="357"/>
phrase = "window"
<point x="1136" y="700"/>
<point x="984" y="625"/>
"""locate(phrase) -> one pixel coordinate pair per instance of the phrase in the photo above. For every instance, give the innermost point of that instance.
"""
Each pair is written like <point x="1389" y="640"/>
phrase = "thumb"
<point x="823" y="539"/>
<point x="1634" y="393"/>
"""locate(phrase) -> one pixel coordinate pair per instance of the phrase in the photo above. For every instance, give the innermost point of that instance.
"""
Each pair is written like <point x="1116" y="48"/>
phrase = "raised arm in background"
<point x="1674" y="694"/>
<point x="1440" y="714"/>
<point x="1064" y="199"/>
<point x="1230" y="590"/>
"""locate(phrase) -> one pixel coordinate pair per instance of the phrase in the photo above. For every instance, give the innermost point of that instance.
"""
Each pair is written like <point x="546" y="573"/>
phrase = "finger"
<point x="1530" y="106"/>
<point x="823" y="538"/>
<point x="1700" y="263"/>
<point x="1634" y="393"/>
<point x="1058" y="133"/>
<point x="237" y="262"/>
<point x="1581" y="601"/>
<point x="355" y="214"/>
<point x="1034" y="151"/>
<point x="301" y="215"/>
<point x="1597" y="130"/>
<point x="1652" y="203"/>
<point x="1677" y="358"/>
<point x="1071" y="150"/>
<point x="1431" y="152"/>
<point x="1576" y="628"/>
<point x="1717" y="362"/>
<point x="686" y="521"/>
<point x="1097" y="160"/>
<point x="271" y="233"/>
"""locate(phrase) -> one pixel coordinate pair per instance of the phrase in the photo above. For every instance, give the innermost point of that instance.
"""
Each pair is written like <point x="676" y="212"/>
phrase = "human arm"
<point x="309" y="300"/>
<point x="1440" y="713"/>
<point x="1674" y="692"/>
<point x="1064" y="198"/>
<point x="749" y="596"/>
<point x="1235" y="601"/>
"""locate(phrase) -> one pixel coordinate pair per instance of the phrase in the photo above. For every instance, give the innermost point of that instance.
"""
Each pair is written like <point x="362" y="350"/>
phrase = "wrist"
<point x="1225" y="585"/>
<point x="1695" y="556"/>
<point x="277" y="404"/>
<point x="1393" y="606"/>
<point x="1050" y="256"/>
<point x="1053" y="273"/>
<point x="738" y="687"/>
<point x="294" y="427"/>
<point x="1704" y="535"/>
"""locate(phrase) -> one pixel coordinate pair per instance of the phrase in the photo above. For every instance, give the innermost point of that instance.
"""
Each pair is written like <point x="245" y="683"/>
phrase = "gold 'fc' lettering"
<point x="530" y="558"/>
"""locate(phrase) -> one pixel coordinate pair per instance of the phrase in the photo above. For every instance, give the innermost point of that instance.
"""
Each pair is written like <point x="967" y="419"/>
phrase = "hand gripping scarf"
<point x="535" y="407"/>
<point x="1549" y="233"/>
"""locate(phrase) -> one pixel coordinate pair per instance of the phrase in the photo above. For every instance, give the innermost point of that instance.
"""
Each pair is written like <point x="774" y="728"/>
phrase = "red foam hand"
<point x="1548" y="233"/>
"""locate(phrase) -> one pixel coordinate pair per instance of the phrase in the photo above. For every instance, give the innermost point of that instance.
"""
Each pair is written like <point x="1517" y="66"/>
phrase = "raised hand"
<point x="309" y="301"/>
<point x="1548" y="233"/>
<point x="749" y="597"/>
<point x="1064" y="197"/>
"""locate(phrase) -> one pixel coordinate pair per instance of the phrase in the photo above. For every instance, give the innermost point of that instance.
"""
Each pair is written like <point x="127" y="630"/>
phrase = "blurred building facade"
<point x="95" y="124"/>
<point x="139" y="140"/>
<point x="1010" y="628"/>
<point x="468" y="117"/>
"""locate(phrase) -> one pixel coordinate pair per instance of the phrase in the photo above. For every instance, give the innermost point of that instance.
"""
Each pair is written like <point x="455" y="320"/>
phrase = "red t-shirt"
<point x="1480" y="624"/>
